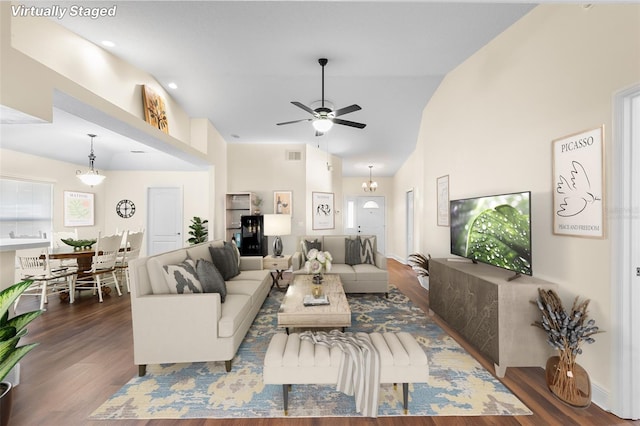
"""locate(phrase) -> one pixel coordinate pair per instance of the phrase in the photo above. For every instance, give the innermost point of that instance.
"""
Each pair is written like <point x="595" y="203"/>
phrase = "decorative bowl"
<point x="78" y="244"/>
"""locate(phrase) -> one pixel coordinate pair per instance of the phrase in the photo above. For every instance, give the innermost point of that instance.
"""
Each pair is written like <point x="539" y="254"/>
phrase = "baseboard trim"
<point x="397" y="258"/>
<point x="600" y="396"/>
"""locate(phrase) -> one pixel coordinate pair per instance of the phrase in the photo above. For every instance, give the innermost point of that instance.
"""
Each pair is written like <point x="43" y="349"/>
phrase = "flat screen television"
<point x="494" y="229"/>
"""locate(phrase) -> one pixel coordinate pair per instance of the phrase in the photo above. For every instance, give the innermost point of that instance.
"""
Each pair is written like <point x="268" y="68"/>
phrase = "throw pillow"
<point x="308" y="245"/>
<point x="367" y="252"/>
<point x="182" y="278"/>
<point x="211" y="279"/>
<point x="352" y="251"/>
<point x="236" y="250"/>
<point x="225" y="260"/>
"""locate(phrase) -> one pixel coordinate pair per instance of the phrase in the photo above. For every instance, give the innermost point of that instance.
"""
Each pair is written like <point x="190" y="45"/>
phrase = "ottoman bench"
<point x="291" y="360"/>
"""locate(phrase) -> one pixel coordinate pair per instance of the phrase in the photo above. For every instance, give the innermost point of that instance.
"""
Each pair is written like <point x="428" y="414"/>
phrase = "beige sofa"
<point x="172" y="328"/>
<point x="360" y="278"/>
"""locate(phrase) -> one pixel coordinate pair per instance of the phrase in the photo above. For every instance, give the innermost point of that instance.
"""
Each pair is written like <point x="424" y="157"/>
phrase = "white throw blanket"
<point x="359" y="372"/>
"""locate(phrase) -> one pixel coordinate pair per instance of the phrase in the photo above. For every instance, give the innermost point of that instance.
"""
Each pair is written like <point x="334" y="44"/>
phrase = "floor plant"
<point x="11" y="330"/>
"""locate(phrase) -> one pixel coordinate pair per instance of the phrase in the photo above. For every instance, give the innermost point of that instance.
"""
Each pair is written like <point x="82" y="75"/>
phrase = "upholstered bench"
<point x="291" y="360"/>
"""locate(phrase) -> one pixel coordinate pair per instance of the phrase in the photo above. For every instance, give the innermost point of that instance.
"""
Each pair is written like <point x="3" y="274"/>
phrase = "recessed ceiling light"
<point x="172" y="85"/>
<point x="137" y="152"/>
<point x="108" y="43"/>
<point x="233" y="135"/>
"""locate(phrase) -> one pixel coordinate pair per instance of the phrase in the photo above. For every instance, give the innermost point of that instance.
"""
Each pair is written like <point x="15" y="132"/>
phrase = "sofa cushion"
<point x="367" y="250"/>
<point x="368" y="272"/>
<point x="352" y="251"/>
<point x="156" y="272"/>
<point x="334" y="244"/>
<point x="252" y="274"/>
<point x="199" y="251"/>
<point x="211" y="279"/>
<point x="225" y="260"/>
<point x="345" y="271"/>
<point x="234" y="312"/>
<point x="308" y="244"/>
<point x="182" y="277"/>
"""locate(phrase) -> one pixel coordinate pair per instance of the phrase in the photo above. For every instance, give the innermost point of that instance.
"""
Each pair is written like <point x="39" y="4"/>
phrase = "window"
<point x="25" y="209"/>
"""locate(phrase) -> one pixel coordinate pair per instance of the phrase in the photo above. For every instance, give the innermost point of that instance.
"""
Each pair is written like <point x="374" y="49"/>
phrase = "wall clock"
<point x="125" y="208"/>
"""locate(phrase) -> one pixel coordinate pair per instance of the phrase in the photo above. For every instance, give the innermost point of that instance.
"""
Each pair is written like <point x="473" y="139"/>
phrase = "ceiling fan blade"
<point x="306" y="108"/>
<point x="348" y="123"/>
<point x="346" y="110"/>
<point x="294" y="121"/>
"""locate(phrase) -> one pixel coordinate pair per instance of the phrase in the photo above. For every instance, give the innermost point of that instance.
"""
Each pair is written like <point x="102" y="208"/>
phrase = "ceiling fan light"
<point x="322" y="125"/>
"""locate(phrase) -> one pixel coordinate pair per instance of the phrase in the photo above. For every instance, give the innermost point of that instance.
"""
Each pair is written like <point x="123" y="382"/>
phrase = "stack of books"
<point x="309" y="300"/>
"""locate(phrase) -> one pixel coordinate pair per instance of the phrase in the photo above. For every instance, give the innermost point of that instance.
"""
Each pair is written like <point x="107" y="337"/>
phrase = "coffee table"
<point x="293" y="313"/>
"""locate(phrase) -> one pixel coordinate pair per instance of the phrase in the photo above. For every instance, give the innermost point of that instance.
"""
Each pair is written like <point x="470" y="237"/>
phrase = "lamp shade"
<point x="277" y="224"/>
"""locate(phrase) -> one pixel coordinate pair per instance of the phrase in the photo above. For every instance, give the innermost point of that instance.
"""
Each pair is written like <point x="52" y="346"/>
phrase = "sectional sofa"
<point x="356" y="273"/>
<point x="171" y="326"/>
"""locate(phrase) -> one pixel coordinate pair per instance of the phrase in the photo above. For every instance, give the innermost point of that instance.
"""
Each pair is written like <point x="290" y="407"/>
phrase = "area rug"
<point x="458" y="386"/>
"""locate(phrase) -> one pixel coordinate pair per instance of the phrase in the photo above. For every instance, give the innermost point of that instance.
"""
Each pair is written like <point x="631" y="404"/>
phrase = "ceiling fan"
<point x="324" y="118"/>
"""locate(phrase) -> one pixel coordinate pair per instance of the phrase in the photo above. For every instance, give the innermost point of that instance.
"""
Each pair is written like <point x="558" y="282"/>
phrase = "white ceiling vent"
<point x="293" y="155"/>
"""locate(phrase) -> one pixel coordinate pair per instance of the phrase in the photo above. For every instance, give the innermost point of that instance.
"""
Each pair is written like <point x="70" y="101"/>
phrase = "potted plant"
<point x="420" y="264"/>
<point x="198" y="231"/>
<point x="11" y="330"/>
<point x="566" y="332"/>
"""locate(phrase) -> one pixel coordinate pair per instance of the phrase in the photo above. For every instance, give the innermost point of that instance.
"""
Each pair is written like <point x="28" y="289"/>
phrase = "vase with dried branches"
<point x="566" y="332"/>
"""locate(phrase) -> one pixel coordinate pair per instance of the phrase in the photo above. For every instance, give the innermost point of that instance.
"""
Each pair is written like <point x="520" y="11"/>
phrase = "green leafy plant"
<point x="11" y="330"/>
<point x="198" y="231"/>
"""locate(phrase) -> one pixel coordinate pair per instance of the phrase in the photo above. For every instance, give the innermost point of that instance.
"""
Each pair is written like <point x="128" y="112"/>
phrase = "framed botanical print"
<point x="322" y="205"/>
<point x="79" y="209"/>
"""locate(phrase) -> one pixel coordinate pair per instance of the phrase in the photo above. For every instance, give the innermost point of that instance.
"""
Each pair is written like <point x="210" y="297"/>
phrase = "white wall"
<point x="490" y="125"/>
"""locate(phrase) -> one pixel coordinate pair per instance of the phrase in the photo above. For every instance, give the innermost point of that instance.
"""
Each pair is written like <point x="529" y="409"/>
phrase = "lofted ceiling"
<point x="241" y="63"/>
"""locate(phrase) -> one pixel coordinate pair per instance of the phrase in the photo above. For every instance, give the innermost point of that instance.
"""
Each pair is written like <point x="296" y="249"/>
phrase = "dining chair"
<point x="132" y="246"/>
<point x="46" y="280"/>
<point x="103" y="266"/>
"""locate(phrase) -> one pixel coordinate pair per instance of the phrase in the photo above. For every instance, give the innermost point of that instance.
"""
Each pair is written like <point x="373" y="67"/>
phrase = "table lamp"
<point x="277" y="225"/>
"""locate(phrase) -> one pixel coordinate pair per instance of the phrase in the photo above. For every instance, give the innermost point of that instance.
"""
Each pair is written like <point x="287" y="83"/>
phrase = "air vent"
<point x="293" y="156"/>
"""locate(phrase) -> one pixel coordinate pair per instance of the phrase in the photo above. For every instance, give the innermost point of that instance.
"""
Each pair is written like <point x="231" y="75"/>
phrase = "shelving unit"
<point x="237" y="204"/>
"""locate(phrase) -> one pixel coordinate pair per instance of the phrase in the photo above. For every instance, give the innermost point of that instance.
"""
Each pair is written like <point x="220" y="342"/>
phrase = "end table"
<point x="277" y="265"/>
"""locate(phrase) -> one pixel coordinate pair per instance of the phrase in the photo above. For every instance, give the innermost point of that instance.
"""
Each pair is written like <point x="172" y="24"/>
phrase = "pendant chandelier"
<point x="370" y="186"/>
<point x="91" y="177"/>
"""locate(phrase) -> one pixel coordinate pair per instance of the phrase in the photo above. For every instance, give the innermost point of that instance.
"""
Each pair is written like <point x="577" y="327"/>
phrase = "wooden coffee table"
<point x="293" y="313"/>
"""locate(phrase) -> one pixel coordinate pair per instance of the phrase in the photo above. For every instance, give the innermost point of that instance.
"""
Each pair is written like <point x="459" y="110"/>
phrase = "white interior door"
<point x="370" y="216"/>
<point x="625" y="257"/>
<point x="164" y="220"/>
<point x="409" y="207"/>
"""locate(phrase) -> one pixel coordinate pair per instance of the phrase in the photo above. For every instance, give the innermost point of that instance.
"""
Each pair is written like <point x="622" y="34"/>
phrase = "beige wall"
<point x="490" y="125"/>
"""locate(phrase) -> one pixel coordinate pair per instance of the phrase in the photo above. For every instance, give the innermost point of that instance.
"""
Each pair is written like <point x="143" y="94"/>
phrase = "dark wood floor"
<point x="85" y="355"/>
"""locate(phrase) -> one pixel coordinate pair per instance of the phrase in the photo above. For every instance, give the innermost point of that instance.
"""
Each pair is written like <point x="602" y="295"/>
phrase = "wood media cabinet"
<point x="491" y="313"/>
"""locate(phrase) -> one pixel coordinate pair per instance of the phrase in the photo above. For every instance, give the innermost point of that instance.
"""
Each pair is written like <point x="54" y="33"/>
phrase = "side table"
<point x="277" y="265"/>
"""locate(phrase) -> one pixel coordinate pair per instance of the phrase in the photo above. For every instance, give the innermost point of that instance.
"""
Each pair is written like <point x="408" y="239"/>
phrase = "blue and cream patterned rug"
<point x="459" y="385"/>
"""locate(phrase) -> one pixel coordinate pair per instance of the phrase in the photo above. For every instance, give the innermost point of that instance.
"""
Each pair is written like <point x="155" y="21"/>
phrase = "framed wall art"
<point x="578" y="184"/>
<point x="282" y="202"/>
<point x="79" y="209"/>
<point x="442" y="191"/>
<point x="322" y="205"/>
<point x="155" y="111"/>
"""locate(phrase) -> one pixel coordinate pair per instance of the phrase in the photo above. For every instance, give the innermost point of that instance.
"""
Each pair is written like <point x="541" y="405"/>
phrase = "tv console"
<point x="491" y="313"/>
